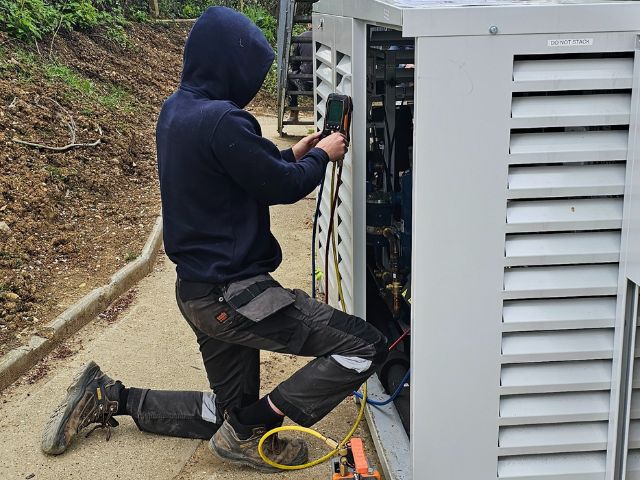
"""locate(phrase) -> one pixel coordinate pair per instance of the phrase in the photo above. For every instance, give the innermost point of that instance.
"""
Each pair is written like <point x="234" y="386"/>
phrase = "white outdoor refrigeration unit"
<point x="490" y="201"/>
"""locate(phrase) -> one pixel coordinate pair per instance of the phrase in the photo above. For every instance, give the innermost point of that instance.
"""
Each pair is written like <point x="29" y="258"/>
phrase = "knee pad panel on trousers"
<point x="374" y="343"/>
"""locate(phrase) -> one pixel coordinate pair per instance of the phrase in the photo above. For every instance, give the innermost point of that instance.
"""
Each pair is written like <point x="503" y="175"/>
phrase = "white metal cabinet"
<point x="546" y="226"/>
<point x="527" y="219"/>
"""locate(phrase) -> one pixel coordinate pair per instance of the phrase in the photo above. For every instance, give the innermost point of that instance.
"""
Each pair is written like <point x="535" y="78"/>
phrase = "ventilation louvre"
<point x="333" y="74"/>
<point x="572" y="73"/>
<point x="564" y="198"/>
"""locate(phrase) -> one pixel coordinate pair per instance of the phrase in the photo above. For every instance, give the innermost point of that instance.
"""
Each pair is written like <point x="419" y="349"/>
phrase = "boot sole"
<point x="53" y="435"/>
<point x="227" y="456"/>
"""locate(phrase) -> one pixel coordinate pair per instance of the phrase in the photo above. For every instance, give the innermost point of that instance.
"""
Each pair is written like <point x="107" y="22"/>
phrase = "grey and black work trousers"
<point x="347" y="351"/>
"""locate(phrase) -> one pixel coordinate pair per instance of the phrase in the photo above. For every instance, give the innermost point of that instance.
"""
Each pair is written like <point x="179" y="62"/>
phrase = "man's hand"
<point x="301" y="148"/>
<point x="335" y="145"/>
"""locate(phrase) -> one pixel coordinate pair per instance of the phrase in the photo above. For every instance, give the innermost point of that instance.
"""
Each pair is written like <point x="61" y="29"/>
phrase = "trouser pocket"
<point x="258" y="297"/>
<point x="228" y="313"/>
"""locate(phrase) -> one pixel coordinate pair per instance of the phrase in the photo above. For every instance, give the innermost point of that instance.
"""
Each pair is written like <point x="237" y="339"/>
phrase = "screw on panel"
<point x="493" y="30"/>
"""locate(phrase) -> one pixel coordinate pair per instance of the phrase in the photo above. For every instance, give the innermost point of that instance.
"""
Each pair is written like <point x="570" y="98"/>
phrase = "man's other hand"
<point x="335" y="145"/>
<point x="301" y="148"/>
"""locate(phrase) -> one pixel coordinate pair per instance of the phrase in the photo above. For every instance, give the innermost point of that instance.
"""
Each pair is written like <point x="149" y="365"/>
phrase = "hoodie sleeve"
<point x="288" y="155"/>
<point x="257" y="165"/>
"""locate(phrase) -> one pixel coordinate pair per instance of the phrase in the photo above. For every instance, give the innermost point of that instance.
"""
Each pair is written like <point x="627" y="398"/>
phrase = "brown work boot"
<point x="91" y="398"/>
<point x="237" y="443"/>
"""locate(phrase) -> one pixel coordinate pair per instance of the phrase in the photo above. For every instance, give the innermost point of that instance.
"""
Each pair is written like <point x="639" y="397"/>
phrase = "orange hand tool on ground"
<point x="352" y="464"/>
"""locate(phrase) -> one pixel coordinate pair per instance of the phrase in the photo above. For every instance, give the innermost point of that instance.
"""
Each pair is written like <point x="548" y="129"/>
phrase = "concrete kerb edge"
<point x="19" y="360"/>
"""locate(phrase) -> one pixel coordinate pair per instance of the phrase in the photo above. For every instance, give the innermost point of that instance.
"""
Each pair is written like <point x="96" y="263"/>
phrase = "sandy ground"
<point x="150" y="345"/>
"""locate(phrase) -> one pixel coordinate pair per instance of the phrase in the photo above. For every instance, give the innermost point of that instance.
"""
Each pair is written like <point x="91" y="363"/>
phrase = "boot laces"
<point x="102" y="412"/>
<point x="276" y="444"/>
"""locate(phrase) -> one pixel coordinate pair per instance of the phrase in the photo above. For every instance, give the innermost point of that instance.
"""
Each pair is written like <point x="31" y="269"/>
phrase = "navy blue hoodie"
<point x="218" y="175"/>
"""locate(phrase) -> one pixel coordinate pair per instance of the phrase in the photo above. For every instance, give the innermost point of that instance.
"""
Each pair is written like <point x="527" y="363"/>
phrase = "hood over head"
<point x="226" y="57"/>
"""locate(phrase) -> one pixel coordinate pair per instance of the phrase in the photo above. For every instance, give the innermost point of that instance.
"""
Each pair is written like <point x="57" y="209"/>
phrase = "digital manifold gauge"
<point x="338" y="115"/>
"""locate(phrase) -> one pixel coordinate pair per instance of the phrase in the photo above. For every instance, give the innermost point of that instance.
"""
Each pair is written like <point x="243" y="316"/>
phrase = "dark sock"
<point x="122" y="402"/>
<point x="260" y="413"/>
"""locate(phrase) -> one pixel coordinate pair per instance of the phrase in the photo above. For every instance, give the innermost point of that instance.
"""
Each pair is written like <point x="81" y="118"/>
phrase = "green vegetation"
<point x="34" y="20"/>
<point x="27" y="19"/>
<point x="31" y="20"/>
<point x="270" y="83"/>
<point x="194" y="8"/>
<point x="110" y="96"/>
<point x="130" y="256"/>
<point x="55" y="71"/>
<point x="116" y="97"/>
<point x="266" y="22"/>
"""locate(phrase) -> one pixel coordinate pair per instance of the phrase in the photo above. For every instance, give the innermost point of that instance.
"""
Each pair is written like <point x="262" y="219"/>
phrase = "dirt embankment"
<point x="69" y="220"/>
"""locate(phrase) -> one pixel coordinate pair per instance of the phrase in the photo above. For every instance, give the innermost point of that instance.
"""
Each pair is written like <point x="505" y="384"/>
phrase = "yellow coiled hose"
<point x="331" y="443"/>
<point x="336" y="447"/>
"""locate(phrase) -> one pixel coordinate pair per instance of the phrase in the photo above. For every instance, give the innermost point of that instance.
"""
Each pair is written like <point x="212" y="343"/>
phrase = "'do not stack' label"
<point x="570" y="42"/>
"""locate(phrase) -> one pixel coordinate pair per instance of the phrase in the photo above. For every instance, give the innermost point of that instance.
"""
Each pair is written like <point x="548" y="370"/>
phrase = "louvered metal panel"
<point x="323" y="90"/>
<point x="555" y="147"/>
<point x="564" y="200"/>
<point x="345" y="196"/>
<point x="323" y="87"/>
<point x="345" y="233"/>
<point x="568" y="437"/>
<point x="557" y="345"/>
<point x="345" y="213"/>
<point x="566" y="181"/>
<point x="347" y="176"/>
<point x="323" y="53"/>
<point x="346" y="286"/>
<point x="562" y="248"/>
<point x="570" y="110"/>
<point x="344" y="66"/>
<point x="635" y="406"/>
<point x="561" y="281"/>
<point x="552" y="377"/>
<point x="344" y="86"/>
<point x="329" y="74"/>
<point x="635" y="376"/>
<point x="345" y="249"/>
<point x="572" y="74"/>
<point x="563" y="313"/>
<point x="633" y="464"/>
<point x="554" y="408"/>
<point x="634" y="434"/>
<point x="559" y="215"/>
<point x="637" y="351"/>
<point x="324" y="73"/>
<point x="344" y="210"/>
<point x="571" y="466"/>
<point x="321" y="107"/>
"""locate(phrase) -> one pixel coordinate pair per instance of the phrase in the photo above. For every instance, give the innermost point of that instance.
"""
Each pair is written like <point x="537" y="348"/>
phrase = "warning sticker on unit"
<point x="570" y="42"/>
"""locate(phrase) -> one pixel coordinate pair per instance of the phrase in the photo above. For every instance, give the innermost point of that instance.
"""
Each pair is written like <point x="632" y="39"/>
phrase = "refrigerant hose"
<point x="313" y="239"/>
<point x="392" y="397"/>
<point x="331" y="239"/>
